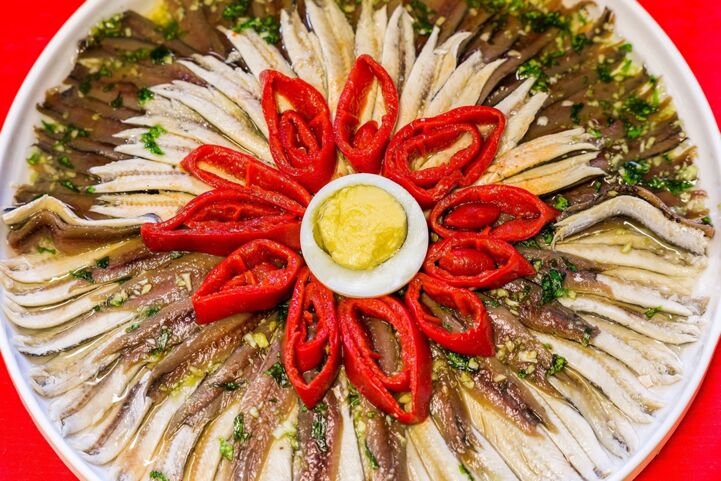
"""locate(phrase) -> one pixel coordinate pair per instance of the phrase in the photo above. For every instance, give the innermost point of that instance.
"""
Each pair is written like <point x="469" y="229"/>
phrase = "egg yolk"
<point x="361" y="227"/>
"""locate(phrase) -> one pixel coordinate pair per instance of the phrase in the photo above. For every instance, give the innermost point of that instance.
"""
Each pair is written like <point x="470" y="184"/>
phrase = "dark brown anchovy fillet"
<point x="496" y="387"/>
<point x="146" y="30"/>
<point x="609" y="191"/>
<point x="450" y="415"/>
<point x="228" y="381"/>
<point x="265" y="405"/>
<point x="212" y="343"/>
<point x="198" y="32"/>
<point x="65" y="237"/>
<point x="512" y="338"/>
<point x="550" y="318"/>
<point x="384" y="449"/>
<point x="319" y="438"/>
<point x="452" y="12"/>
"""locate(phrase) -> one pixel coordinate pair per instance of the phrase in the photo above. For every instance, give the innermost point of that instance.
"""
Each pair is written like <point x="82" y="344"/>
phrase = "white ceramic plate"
<point x="650" y="43"/>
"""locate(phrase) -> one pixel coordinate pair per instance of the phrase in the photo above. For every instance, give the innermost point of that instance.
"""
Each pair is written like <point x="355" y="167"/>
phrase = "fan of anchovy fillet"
<point x="136" y="386"/>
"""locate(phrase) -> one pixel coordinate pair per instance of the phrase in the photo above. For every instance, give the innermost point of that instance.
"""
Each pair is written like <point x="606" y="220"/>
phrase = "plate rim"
<point x="78" y="23"/>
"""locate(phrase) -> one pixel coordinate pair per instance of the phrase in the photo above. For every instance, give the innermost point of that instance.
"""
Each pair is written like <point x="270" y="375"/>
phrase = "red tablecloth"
<point x="692" y="454"/>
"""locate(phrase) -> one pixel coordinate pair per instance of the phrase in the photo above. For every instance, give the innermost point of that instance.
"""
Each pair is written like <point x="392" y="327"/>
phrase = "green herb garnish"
<point x="158" y="475"/>
<point x="161" y="343"/>
<point x="161" y="55"/>
<point x="575" y="113"/>
<point x="83" y="274"/>
<point x="133" y="327"/>
<point x="277" y="372"/>
<point x="150" y="139"/>
<point x="464" y="471"/>
<point x="318" y="432"/>
<point x="561" y="203"/>
<point x="552" y="285"/>
<point x="226" y="449"/>
<point x="267" y="27"/>
<point x="461" y="362"/>
<point x="650" y="312"/>
<point x="144" y="95"/>
<point x="236" y="9"/>
<point x="46" y="250"/>
<point x="579" y="42"/>
<point x="171" y="30"/>
<point x="117" y="102"/>
<point x="239" y="432"/>
<point x="103" y="262"/>
<point x="371" y="457"/>
<point x="557" y="365"/>
<point x="421" y="17"/>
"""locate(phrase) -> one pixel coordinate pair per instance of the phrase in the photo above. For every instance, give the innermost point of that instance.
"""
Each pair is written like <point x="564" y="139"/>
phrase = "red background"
<point x="692" y="453"/>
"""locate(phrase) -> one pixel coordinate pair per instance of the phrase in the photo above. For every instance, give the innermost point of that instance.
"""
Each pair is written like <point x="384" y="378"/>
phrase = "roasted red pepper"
<point x="360" y="360"/>
<point x="220" y="221"/>
<point x="482" y="126"/>
<point x="480" y="209"/>
<point x="476" y="340"/>
<point x="300" y="138"/>
<point x="476" y="261"/>
<point x="256" y="277"/>
<point x="312" y="311"/>
<point x="248" y="172"/>
<point x="364" y="146"/>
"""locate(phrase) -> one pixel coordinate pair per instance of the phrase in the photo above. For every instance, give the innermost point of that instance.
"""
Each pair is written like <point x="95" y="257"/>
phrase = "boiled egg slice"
<point x="363" y="235"/>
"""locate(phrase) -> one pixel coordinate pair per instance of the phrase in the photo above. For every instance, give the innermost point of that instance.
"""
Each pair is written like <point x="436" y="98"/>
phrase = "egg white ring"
<point x="387" y="277"/>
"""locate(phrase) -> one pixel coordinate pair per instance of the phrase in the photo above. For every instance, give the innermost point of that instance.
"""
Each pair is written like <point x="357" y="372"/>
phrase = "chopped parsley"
<point x="144" y="95"/>
<point x="626" y="47"/>
<point x="569" y="265"/>
<point x="133" y="327"/>
<point x="150" y="139"/>
<point x="603" y="70"/>
<point x="103" y="262"/>
<point x="547" y="233"/>
<point x="552" y="285"/>
<point x="267" y="27"/>
<point x="464" y="471"/>
<point x="353" y="398"/>
<point x="158" y="475"/>
<point x="239" y="432"/>
<point x="318" y="432"/>
<point x="632" y="172"/>
<point x="171" y="30"/>
<point x="561" y="203"/>
<point x="277" y="372"/>
<point x="557" y="365"/>
<point x="64" y="161"/>
<point x="461" y="362"/>
<point x="371" y="457"/>
<point x="69" y="184"/>
<point x="639" y="108"/>
<point x="579" y="42"/>
<point x="236" y="9"/>
<point x="226" y="449"/>
<point x="534" y="68"/>
<point x="46" y="250"/>
<point x="83" y="274"/>
<point x="161" y="343"/>
<point x="422" y="14"/>
<point x="35" y="158"/>
<point x="161" y="55"/>
<point x="108" y="28"/>
<point x="522" y="373"/>
<point x="541" y="22"/>
<point x="229" y="385"/>
<point x="706" y="220"/>
<point x="117" y="102"/>
<point x="652" y="312"/>
<point x="150" y="311"/>
<point x="587" y="336"/>
<point x="576" y="113"/>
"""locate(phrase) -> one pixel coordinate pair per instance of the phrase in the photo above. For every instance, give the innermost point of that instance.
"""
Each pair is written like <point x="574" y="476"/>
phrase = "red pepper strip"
<point x="256" y="277"/>
<point x="360" y="360"/>
<point x="423" y="137"/>
<point x="474" y="341"/>
<point x="477" y="209"/>
<point x="364" y="146"/>
<point x="221" y="220"/>
<point x="301" y="138"/>
<point x="311" y="303"/>
<point x="250" y="171"/>
<point x="461" y="261"/>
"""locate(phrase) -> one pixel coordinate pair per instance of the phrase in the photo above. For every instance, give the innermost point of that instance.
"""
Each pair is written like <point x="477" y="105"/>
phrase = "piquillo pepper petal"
<point x="312" y="310"/>
<point x="476" y="261"/>
<point x="432" y="156"/>
<point x="361" y="360"/>
<point x="476" y="340"/>
<point x="502" y="211"/>
<point x="241" y="170"/>
<point x="255" y="277"/>
<point x="301" y="136"/>
<point x="364" y="146"/>
<point x="220" y="221"/>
